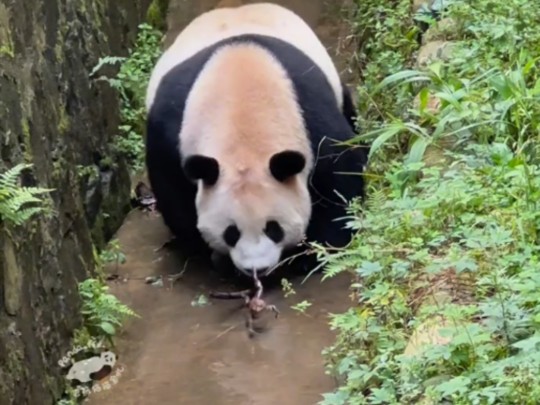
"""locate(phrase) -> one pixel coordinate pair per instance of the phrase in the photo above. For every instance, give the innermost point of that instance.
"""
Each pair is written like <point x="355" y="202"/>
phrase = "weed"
<point x="386" y="34"/>
<point x="489" y="90"/>
<point x="302" y="306"/>
<point x="131" y="82"/>
<point x="287" y="288"/>
<point x="113" y="254"/>
<point x="474" y="228"/>
<point x="102" y="311"/>
<point x="449" y="248"/>
<point x="18" y="204"/>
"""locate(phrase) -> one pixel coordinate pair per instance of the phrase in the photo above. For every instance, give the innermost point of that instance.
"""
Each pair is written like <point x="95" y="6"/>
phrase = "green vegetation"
<point x="131" y="81"/>
<point x="7" y="50"/>
<point x="113" y="253"/>
<point x="157" y="14"/>
<point x="103" y="314"/>
<point x="448" y="241"/>
<point x="18" y="204"/>
<point x="102" y="311"/>
<point x="386" y="46"/>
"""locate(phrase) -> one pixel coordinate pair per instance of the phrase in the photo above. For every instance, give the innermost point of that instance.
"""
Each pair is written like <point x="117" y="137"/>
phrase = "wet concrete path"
<point x="182" y="353"/>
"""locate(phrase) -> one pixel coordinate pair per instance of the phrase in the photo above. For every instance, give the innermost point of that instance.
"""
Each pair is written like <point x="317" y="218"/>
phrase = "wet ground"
<point x="182" y="352"/>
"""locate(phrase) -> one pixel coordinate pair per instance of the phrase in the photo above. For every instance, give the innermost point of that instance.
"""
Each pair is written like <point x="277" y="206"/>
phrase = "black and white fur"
<point x="254" y="194"/>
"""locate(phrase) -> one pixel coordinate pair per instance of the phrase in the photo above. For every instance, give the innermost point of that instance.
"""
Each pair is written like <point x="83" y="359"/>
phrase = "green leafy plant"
<point x="103" y="312"/>
<point x="501" y="105"/>
<point x="18" y="204"/>
<point x="70" y="401"/>
<point x="302" y="306"/>
<point x="387" y="39"/>
<point x="447" y="247"/>
<point x="113" y="253"/>
<point x="488" y="90"/>
<point x="471" y="233"/>
<point x="131" y="82"/>
<point x="287" y="288"/>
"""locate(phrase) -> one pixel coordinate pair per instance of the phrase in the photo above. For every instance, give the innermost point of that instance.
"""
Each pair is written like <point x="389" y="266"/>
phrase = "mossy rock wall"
<point x="54" y="116"/>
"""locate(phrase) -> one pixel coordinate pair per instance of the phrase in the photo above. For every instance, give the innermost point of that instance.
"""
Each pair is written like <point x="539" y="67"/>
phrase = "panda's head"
<point x="252" y="212"/>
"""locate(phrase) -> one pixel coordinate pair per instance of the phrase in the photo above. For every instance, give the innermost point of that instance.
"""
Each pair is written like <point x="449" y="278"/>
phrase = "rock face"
<point x="54" y="116"/>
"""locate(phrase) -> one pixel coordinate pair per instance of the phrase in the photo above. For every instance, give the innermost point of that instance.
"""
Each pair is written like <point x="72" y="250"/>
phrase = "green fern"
<point x="14" y="199"/>
<point x="376" y="198"/>
<point x="107" y="60"/>
<point x="103" y="312"/>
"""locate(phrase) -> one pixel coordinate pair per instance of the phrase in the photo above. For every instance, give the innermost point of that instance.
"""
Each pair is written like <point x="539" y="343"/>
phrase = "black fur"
<point x="284" y="165"/>
<point x="323" y="119"/>
<point x="231" y="236"/>
<point x="274" y="231"/>
<point x="198" y="167"/>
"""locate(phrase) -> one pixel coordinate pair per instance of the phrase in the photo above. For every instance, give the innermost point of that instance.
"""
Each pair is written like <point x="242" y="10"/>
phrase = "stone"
<point x="12" y="278"/>
<point x="418" y="4"/>
<point x="434" y="51"/>
<point x="443" y="30"/>
<point x="427" y="333"/>
<point x="433" y="104"/>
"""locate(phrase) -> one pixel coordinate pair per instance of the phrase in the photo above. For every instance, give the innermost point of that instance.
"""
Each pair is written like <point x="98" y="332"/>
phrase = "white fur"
<point x="255" y="253"/>
<point x="261" y="18"/>
<point x="218" y="209"/>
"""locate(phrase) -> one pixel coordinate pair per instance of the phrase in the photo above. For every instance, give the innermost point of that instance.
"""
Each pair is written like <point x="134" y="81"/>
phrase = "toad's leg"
<point x="274" y="309"/>
<point x="249" y="326"/>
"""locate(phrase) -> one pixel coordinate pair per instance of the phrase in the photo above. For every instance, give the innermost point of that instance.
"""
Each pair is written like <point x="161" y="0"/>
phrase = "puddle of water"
<point x="178" y="353"/>
<point x="183" y="354"/>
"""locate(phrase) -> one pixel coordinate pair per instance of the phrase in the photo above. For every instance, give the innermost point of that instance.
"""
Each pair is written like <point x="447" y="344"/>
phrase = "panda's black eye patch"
<point x="231" y="235"/>
<point x="274" y="231"/>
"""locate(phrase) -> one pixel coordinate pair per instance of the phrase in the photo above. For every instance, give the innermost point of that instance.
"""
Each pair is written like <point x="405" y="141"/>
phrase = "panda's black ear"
<point x="286" y="164"/>
<point x="198" y="167"/>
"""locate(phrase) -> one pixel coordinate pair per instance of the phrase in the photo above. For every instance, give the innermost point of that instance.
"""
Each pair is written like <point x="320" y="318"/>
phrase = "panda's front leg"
<point x="221" y="262"/>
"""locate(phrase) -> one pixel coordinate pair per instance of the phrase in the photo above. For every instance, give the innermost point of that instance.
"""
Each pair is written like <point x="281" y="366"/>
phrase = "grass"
<point x="450" y="244"/>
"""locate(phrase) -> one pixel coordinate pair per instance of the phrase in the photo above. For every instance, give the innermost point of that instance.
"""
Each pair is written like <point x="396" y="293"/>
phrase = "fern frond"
<point x="14" y="198"/>
<point x="107" y="60"/>
<point x="9" y="179"/>
<point x="376" y="198"/>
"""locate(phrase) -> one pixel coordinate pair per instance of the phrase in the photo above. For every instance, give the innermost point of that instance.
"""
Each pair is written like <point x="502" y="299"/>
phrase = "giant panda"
<point x="245" y="114"/>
